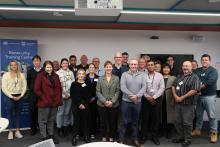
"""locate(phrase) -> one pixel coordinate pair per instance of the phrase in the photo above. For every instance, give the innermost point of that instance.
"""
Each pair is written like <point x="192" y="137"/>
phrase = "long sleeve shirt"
<point x="155" y="85"/>
<point x="133" y="85"/>
<point x="13" y="85"/>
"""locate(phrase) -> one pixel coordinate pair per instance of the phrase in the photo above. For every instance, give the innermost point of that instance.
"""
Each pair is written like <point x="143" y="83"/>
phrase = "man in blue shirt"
<point x="208" y="76"/>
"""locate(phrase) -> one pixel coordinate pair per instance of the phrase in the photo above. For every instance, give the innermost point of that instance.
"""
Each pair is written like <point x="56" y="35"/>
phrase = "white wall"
<point x="59" y="43"/>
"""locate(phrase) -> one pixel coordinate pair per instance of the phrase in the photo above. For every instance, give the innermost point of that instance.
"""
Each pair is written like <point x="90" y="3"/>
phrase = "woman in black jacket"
<point x="91" y="80"/>
<point x="79" y="93"/>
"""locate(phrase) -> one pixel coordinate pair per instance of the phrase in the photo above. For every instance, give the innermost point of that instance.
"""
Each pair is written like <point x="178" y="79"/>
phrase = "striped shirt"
<point x="183" y="84"/>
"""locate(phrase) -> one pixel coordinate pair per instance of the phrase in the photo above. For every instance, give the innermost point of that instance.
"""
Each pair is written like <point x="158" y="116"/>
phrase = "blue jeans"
<point x="206" y="103"/>
<point x="14" y="112"/>
<point x="130" y="115"/>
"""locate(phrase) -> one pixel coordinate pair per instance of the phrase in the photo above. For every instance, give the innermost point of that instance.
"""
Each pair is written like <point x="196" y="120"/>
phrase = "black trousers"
<point x="108" y="120"/>
<point x="81" y="121"/>
<point x="93" y="118"/>
<point x="150" y="117"/>
<point x="33" y="111"/>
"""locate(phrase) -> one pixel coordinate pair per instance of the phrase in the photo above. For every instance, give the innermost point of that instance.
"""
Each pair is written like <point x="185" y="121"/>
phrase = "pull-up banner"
<point x="22" y="51"/>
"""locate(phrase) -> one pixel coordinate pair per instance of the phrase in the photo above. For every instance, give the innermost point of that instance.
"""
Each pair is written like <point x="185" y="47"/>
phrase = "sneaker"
<point x="10" y="135"/>
<point x="196" y="132"/>
<point x="18" y="134"/>
<point x="213" y="137"/>
<point x="111" y="139"/>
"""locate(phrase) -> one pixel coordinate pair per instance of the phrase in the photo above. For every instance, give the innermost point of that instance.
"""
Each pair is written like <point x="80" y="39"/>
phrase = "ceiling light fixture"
<point x="170" y="13"/>
<point x="36" y="9"/>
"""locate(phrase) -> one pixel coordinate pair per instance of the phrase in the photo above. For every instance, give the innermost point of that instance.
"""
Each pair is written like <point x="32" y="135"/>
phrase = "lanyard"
<point x="152" y="79"/>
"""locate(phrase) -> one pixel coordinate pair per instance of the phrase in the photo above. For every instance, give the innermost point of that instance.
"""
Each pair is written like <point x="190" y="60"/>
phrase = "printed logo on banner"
<point x="22" y="51"/>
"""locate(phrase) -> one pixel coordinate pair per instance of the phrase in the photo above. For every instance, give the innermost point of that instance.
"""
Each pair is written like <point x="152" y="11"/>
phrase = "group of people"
<point x="147" y="99"/>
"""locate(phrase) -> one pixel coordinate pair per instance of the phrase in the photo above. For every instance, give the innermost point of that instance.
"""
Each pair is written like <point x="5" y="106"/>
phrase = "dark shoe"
<point x="55" y="140"/>
<point x="178" y="140"/>
<point x="169" y="135"/>
<point x="65" y="131"/>
<point x="74" y="141"/>
<point x="155" y="140"/>
<point x="44" y="138"/>
<point x="186" y="143"/>
<point x="87" y="140"/>
<point x="33" y="132"/>
<point x="60" y="132"/>
<point x="136" y="143"/>
<point x="143" y="139"/>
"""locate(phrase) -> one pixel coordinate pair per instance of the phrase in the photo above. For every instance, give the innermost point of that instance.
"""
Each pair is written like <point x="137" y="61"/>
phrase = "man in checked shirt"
<point x="185" y="91"/>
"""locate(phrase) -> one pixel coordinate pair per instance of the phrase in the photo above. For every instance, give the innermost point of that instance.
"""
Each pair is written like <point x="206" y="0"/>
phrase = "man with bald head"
<point x="185" y="91"/>
<point x="133" y="86"/>
<point x="84" y="63"/>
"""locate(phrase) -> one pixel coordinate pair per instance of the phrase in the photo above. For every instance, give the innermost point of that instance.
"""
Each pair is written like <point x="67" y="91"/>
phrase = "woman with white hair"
<point x="14" y="86"/>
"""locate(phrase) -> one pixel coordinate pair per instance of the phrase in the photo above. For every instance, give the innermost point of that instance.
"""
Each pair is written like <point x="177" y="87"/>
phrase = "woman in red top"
<point x="48" y="90"/>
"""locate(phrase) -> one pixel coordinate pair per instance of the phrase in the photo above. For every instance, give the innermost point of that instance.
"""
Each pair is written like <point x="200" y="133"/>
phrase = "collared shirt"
<point x="183" y="84"/>
<point x="100" y="72"/>
<point x="155" y="85"/>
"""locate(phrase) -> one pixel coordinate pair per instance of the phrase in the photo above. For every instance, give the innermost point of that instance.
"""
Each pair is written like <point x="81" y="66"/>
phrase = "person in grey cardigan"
<point x="133" y="86"/>
<point x="107" y="91"/>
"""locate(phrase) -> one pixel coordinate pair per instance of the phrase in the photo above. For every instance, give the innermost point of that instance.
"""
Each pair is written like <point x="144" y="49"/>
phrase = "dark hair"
<point x="151" y="61"/>
<point x="124" y="53"/>
<point x="108" y="62"/>
<point x="157" y="62"/>
<point x="169" y="57"/>
<point x="194" y="61"/>
<point x="206" y="55"/>
<point x="92" y="64"/>
<point x="72" y="56"/>
<point x="165" y="65"/>
<point x="36" y="57"/>
<point x="47" y="62"/>
<point x="63" y="59"/>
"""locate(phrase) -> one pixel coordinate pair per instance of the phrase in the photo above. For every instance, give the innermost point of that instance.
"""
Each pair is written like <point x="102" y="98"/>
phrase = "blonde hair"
<point x="18" y="72"/>
<point x="80" y="70"/>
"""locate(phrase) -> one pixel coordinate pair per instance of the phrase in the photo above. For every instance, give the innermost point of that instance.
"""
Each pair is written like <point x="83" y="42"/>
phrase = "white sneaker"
<point x="104" y="139"/>
<point x="18" y="134"/>
<point x="10" y="135"/>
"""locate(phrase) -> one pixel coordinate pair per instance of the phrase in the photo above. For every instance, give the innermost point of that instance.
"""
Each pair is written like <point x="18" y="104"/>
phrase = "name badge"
<point x="203" y="74"/>
<point x="96" y="80"/>
<point x="181" y="83"/>
<point x="152" y="90"/>
<point x="177" y="88"/>
<point x="83" y="85"/>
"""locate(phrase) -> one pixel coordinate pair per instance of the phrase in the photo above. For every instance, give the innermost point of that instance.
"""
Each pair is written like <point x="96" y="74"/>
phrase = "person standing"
<point x="84" y="63"/>
<point x="208" y="76"/>
<point x="79" y="93"/>
<point x="125" y="57"/>
<point x="72" y="64"/>
<point x="108" y="90"/>
<point x="167" y="119"/>
<point x="91" y="80"/>
<point x="14" y="86"/>
<point x="49" y="93"/>
<point x="185" y="91"/>
<point x="31" y="76"/>
<point x="98" y="71"/>
<point x="63" y="118"/>
<point x="133" y="86"/>
<point x="151" y="103"/>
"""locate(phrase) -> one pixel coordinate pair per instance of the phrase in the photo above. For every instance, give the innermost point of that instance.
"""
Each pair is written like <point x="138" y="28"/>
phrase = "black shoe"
<point x="169" y="135"/>
<point x="178" y="140"/>
<point x="55" y="140"/>
<point x="143" y="139"/>
<point x="155" y="140"/>
<point x="33" y="132"/>
<point x="65" y="131"/>
<point x="74" y="141"/>
<point x="44" y="138"/>
<point x="87" y="140"/>
<point x="186" y="143"/>
<point x="136" y="143"/>
<point x="60" y="132"/>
